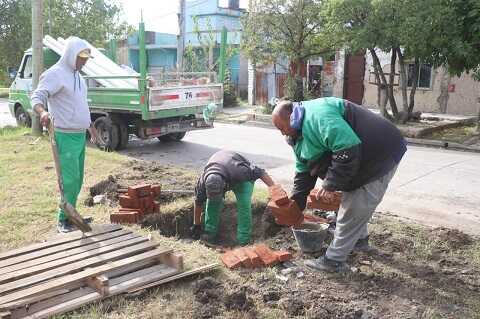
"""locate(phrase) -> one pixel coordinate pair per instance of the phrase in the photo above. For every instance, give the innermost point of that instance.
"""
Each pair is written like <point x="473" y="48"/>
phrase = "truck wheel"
<point x="22" y="118"/>
<point x="123" y="132"/>
<point x="171" y="137"/>
<point x="108" y="133"/>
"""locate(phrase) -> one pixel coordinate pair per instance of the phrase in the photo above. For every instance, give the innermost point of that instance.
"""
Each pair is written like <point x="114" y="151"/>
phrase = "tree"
<point x="93" y="20"/>
<point x="279" y="30"/>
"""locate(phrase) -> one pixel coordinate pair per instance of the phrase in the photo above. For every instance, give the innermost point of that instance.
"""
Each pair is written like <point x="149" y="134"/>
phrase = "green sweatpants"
<point x="243" y="193"/>
<point x="71" y="151"/>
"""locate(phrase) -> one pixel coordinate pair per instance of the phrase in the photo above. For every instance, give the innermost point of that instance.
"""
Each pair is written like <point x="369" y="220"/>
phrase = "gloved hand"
<point x="196" y="231"/>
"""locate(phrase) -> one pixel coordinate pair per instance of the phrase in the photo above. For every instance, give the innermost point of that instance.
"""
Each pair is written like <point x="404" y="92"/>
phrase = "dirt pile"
<point x="213" y="298"/>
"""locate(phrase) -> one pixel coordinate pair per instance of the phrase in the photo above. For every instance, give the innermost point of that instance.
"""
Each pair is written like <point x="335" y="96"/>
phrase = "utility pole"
<point x="181" y="36"/>
<point x="37" y="55"/>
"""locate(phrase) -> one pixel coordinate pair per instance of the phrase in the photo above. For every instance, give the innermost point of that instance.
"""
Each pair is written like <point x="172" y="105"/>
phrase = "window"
<point x="233" y="4"/>
<point x="27" y="68"/>
<point x="424" y="75"/>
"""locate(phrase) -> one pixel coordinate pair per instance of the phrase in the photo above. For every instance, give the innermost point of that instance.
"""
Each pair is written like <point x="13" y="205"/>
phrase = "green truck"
<point x="163" y="106"/>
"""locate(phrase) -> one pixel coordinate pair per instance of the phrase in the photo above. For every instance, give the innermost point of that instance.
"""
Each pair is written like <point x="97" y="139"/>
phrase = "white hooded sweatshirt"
<point x="65" y="90"/>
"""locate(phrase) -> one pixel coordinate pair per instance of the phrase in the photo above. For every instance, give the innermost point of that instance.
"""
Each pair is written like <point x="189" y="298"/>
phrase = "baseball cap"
<point x="85" y="54"/>
<point x="215" y="186"/>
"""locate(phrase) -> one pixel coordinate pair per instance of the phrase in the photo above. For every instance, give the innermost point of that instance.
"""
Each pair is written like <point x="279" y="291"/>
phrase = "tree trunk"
<point x="444" y="95"/>
<point x="403" y="115"/>
<point x="391" y="80"/>
<point x="411" y="105"/>
<point x="382" y="94"/>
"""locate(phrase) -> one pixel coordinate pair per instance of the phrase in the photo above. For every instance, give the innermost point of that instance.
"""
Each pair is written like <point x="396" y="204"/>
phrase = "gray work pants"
<point x="355" y="211"/>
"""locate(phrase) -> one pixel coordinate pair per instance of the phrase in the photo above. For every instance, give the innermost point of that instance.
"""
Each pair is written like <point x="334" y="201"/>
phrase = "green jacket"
<point x="324" y="130"/>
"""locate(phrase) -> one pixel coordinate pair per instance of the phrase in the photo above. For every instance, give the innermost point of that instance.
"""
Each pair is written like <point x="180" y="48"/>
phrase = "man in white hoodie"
<point x="66" y="92"/>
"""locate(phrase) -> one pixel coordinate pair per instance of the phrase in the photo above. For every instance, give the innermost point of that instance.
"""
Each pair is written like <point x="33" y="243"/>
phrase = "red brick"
<point x="266" y="254"/>
<point x="124" y="217"/>
<point x="156" y="189"/>
<point x="283" y="255"/>
<point x="146" y="204"/>
<point x="140" y="190"/>
<point x="315" y="219"/>
<point x="290" y="214"/>
<point x="314" y="203"/>
<point x="242" y="256"/>
<point x="254" y="258"/>
<point x="128" y="202"/>
<point x="139" y="211"/>
<point x="230" y="260"/>
<point x="156" y="207"/>
<point x="279" y="196"/>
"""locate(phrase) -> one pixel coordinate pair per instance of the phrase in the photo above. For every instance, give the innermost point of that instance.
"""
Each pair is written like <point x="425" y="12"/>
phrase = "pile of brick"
<point x="137" y="202"/>
<point x="285" y="210"/>
<point x="314" y="203"/>
<point x="254" y="256"/>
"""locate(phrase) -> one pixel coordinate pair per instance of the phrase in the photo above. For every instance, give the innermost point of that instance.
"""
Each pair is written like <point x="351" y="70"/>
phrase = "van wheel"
<point x="108" y="133"/>
<point x="22" y="118"/>
<point x="171" y="137"/>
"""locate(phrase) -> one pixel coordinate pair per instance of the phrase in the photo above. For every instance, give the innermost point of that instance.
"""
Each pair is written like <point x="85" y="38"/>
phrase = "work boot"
<point x="64" y="226"/>
<point x="328" y="265"/>
<point x="209" y="240"/>
<point x="363" y="246"/>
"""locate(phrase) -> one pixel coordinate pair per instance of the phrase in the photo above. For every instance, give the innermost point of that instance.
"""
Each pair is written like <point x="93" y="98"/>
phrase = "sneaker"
<point x="328" y="265"/>
<point x="363" y="246"/>
<point x="64" y="226"/>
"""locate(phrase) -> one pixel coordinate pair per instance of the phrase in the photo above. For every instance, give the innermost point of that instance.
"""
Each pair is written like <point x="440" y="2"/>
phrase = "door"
<point x="353" y="78"/>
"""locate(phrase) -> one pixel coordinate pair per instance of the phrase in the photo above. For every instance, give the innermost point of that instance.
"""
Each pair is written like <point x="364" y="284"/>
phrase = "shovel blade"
<point x="75" y="218"/>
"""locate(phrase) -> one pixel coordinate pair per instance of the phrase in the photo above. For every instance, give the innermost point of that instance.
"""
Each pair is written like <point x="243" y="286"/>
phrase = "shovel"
<point x="73" y="216"/>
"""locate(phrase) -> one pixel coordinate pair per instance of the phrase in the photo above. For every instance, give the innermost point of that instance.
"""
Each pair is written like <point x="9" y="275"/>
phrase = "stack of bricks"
<point x="314" y="203"/>
<point x="254" y="256"/>
<point x="136" y="203"/>
<point x="285" y="210"/>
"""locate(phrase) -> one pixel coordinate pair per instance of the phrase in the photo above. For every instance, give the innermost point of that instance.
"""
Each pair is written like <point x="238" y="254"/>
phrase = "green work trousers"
<point x="71" y="151"/>
<point x="243" y="193"/>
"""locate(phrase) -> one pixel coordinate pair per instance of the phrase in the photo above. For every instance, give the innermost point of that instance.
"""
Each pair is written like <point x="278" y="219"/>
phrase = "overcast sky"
<point x="158" y="15"/>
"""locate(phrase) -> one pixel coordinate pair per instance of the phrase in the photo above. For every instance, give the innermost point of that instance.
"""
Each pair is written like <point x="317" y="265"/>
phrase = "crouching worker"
<point x="225" y="171"/>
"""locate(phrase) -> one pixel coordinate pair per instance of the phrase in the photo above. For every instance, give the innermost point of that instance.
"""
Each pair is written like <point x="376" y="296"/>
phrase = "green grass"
<point x="28" y="186"/>
<point x="457" y="134"/>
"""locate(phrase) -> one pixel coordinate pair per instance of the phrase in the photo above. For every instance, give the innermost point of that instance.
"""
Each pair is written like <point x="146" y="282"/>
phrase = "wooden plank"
<point x="32" y="309"/>
<point x="138" y="273"/>
<point x="82" y="275"/>
<point x="130" y="268"/>
<point x="5" y="315"/>
<point x="172" y="260"/>
<point x="77" y="266"/>
<point x="15" y="275"/>
<point x="99" y="283"/>
<point x="142" y="280"/>
<point x="27" y="301"/>
<point x="76" y="235"/>
<point x="98" y="242"/>
<point x="175" y="277"/>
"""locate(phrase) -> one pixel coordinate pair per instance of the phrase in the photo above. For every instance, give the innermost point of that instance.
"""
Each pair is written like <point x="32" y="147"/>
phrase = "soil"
<point x="417" y="272"/>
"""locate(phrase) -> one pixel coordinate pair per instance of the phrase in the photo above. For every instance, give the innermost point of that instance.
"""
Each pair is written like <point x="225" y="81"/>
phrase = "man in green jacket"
<point x="353" y="151"/>
<point x="65" y="91"/>
<point x="226" y="170"/>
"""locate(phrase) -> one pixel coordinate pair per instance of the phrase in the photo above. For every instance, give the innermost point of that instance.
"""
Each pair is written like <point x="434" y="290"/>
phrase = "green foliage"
<point x="229" y="96"/>
<point x="93" y="20"/>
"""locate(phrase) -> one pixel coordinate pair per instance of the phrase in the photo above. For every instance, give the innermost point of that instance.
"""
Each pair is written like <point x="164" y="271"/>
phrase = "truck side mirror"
<point x="12" y="72"/>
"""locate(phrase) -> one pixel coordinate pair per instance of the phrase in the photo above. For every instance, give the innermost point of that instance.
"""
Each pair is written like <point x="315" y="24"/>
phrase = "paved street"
<point x="432" y="186"/>
<point x="5" y="117"/>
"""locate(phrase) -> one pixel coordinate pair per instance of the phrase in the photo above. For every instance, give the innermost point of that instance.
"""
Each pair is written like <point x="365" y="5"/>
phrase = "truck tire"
<point x="172" y="137"/>
<point x="22" y="118"/>
<point x="108" y="133"/>
<point x="122" y="131"/>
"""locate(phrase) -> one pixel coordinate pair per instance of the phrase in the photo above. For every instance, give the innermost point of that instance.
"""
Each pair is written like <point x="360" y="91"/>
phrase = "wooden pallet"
<point x="71" y="270"/>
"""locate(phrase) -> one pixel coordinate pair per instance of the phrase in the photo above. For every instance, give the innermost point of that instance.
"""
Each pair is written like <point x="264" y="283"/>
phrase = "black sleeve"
<point x="303" y="183"/>
<point x="257" y="172"/>
<point x="344" y="167"/>
<point x="200" y="191"/>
